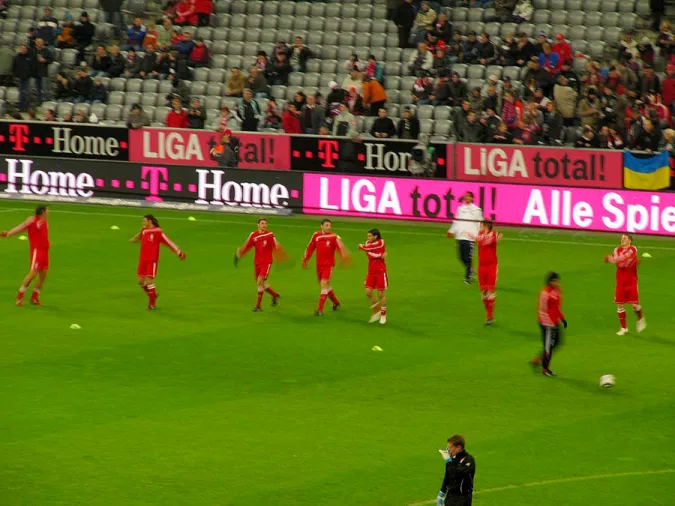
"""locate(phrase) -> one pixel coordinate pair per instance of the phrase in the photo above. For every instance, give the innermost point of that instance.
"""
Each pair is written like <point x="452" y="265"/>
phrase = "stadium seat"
<point x="63" y="108"/>
<point x="161" y="114"/>
<point x="113" y="112"/>
<point x="149" y="99"/>
<point x="594" y="19"/>
<point x="115" y="98"/>
<point x="270" y="7"/>
<point x="541" y="16"/>
<point x="286" y="8"/>
<point x="131" y="97"/>
<point x="442" y="127"/>
<point x="460" y="68"/>
<point x="627" y="20"/>
<point x="540" y="4"/>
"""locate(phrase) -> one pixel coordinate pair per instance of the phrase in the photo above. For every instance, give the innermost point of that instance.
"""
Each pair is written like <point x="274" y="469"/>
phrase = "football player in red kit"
<point x="265" y="245"/>
<point x="38" y="239"/>
<point x="151" y="238"/>
<point x="326" y="244"/>
<point x="550" y="316"/>
<point x="626" y="259"/>
<point x="487" y="239"/>
<point x="376" y="280"/>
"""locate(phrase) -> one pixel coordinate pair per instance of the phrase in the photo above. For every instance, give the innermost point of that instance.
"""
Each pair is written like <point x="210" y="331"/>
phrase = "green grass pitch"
<point x="204" y="403"/>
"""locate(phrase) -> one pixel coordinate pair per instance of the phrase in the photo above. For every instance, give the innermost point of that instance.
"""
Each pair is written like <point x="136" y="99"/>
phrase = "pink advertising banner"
<point x="535" y="165"/>
<point x="545" y="206"/>
<point x="193" y="148"/>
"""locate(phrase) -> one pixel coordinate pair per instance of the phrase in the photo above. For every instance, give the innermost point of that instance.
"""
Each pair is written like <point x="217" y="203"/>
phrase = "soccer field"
<point x="204" y="403"/>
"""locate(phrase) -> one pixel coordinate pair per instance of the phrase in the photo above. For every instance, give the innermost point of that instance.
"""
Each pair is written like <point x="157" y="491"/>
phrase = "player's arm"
<point x="555" y="311"/>
<point x="19" y="228"/>
<point x="309" y="251"/>
<point x="136" y="238"/>
<point x="245" y="248"/>
<point x="173" y="246"/>
<point x="446" y="483"/>
<point x="345" y="256"/>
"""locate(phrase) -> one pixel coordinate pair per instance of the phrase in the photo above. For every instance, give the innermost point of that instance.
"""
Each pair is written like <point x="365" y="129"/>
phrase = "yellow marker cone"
<point x="23" y="238"/>
<point x="377" y="348"/>
<point x="114" y="227"/>
<point x="192" y="218"/>
<point x="646" y="255"/>
<point x="75" y="326"/>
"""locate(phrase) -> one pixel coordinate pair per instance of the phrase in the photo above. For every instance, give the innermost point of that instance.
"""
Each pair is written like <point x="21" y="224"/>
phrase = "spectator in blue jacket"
<point x="184" y="46"/>
<point x="135" y="36"/>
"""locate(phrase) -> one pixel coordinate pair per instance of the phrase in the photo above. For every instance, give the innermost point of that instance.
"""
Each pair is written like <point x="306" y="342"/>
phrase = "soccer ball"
<point x="607" y="381"/>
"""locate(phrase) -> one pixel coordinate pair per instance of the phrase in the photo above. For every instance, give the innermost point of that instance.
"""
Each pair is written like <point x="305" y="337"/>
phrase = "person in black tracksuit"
<point x="460" y="468"/>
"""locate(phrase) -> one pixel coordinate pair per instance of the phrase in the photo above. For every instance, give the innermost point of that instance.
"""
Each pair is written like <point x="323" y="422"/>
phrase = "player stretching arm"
<point x="376" y="279"/>
<point x="487" y="240"/>
<point x="626" y="259"/>
<point x="550" y="316"/>
<point x="326" y="244"/>
<point x="265" y="245"/>
<point x="38" y="238"/>
<point x="151" y="238"/>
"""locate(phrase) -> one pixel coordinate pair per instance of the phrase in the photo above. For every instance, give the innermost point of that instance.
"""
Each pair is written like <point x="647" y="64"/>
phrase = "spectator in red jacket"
<point x="668" y="87"/>
<point x="185" y="13"/>
<point x="563" y="49"/>
<point x="177" y="117"/>
<point x="290" y="120"/>
<point x="203" y="9"/>
<point x="199" y="56"/>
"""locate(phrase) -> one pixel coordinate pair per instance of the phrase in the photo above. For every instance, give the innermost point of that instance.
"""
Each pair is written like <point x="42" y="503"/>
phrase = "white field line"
<point x="572" y="479"/>
<point x="282" y="224"/>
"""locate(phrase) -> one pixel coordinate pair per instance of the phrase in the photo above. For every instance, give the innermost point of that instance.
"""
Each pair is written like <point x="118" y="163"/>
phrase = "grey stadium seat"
<point x="540" y="4"/>
<point x="286" y="8"/>
<point x="425" y="112"/>
<point x="134" y="85"/>
<point x="475" y="15"/>
<point x="613" y="35"/>
<point x="217" y="75"/>
<point x="576" y="18"/>
<point x="131" y="97"/>
<point x="118" y="84"/>
<point x="594" y="19"/>
<point x="442" y="127"/>
<point x="627" y="20"/>
<point x="161" y="114"/>
<point x="149" y="99"/>
<point x="115" y="98"/>
<point x="610" y="5"/>
<point x="150" y="86"/>
<point x="317" y="10"/>
<point x="596" y="33"/>
<point x="558" y="17"/>
<point x="442" y="112"/>
<point x="611" y="19"/>
<point x="541" y="16"/>
<point x="214" y="89"/>
<point x="592" y="5"/>
<point x="302" y="9"/>
<point x="113" y="112"/>
<point x="475" y="72"/>
<point x="270" y="7"/>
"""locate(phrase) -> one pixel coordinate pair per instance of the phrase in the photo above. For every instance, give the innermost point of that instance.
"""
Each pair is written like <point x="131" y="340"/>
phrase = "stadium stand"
<point x="501" y="63"/>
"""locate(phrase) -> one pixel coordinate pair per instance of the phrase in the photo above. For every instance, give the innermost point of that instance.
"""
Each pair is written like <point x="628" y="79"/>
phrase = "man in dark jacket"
<point x="457" y="91"/>
<point x="473" y="130"/>
<point x="82" y="87"/>
<point x="486" y="50"/>
<point x="298" y="55"/>
<point x="460" y="469"/>
<point x="47" y="27"/>
<point x="148" y="66"/>
<point x="118" y="63"/>
<point x="227" y="151"/>
<point x="113" y="14"/>
<point x="442" y="29"/>
<point x="648" y="139"/>
<point x="22" y="68"/>
<point x="42" y="57"/>
<point x="196" y="115"/>
<point x="404" y="18"/>
<point x="277" y="70"/>
<point x="84" y="34"/>
<point x="383" y="127"/>
<point x="525" y="49"/>
<point x="312" y="116"/>
<point x="249" y="112"/>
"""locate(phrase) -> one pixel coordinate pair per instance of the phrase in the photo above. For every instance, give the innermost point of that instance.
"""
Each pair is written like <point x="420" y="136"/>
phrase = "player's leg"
<point x="465" y="254"/>
<point x="24" y="286"/>
<point x="260" y="286"/>
<point x="641" y="322"/>
<point x="374" y="305"/>
<point x="383" y="307"/>
<point x="489" y="306"/>
<point x="621" y="313"/>
<point x="151" y="288"/>
<point x="547" y="334"/>
<point x="325" y="288"/>
<point x="35" y="297"/>
<point x="331" y="294"/>
<point x="268" y="288"/>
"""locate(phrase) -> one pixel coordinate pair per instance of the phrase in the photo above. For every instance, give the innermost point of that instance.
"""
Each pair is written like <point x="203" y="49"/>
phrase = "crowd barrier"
<point x="264" y="191"/>
<point x="487" y="163"/>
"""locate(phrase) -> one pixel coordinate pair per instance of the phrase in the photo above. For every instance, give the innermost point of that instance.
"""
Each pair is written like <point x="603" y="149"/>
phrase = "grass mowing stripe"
<point x="571" y="479"/>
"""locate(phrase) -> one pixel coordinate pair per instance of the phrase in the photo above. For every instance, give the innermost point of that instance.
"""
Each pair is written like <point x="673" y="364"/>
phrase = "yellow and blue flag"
<point x="646" y="172"/>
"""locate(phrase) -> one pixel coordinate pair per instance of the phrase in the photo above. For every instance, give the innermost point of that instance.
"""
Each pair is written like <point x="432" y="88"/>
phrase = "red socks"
<point x="383" y="311"/>
<point x="490" y="307"/>
<point x="152" y="294"/>
<point x="260" y="296"/>
<point x="36" y="295"/>
<point x="622" y="318"/>
<point x="332" y="297"/>
<point x="271" y="292"/>
<point x="322" y="300"/>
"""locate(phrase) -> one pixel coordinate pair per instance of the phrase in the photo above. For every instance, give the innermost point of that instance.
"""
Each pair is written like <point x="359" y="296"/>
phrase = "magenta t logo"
<point x="158" y="176"/>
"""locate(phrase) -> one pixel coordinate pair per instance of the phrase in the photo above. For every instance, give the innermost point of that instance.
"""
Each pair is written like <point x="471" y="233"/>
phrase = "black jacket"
<point x="443" y="32"/>
<point x="459" y="473"/>
<point x="648" y="140"/>
<point x="383" y="126"/>
<point x="148" y="64"/>
<point x="84" y="33"/>
<point x="83" y="87"/>
<point x="101" y="64"/>
<point x="118" y="65"/>
<point x="196" y="118"/>
<point x="408" y="129"/>
<point x="111" y="5"/>
<point x="404" y="15"/>
<point x="23" y="65"/>
<point x="41" y="69"/>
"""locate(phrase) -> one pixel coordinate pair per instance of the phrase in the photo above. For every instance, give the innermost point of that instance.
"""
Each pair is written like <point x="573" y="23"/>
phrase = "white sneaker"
<point x="622" y="332"/>
<point x="383" y="319"/>
<point x="641" y="325"/>
<point x="374" y="318"/>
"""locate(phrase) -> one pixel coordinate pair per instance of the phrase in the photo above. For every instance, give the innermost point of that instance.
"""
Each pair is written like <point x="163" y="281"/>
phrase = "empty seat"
<point x="132" y="97"/>
<point x="610" y="5"/>
<point x="270" y="7"/>
<point x="150" y="86"/>
<point x="161" y="114"/>
<point x="594" y="19"/>
<point x="217" y="76"/>
<point x="460" y="68"/>
<point x="460" y="14"/>
<point x="541" y="16"/>
<point x="135" y="85"/>
<point x="316" y="10"/>
<point x="425" y="112"/>
<point x="148" y="99"/>
<point x="442" y="127"/>
<point x="442" y="112"/>
<point x="475" y="72"/>
<point x="118" y="84"/>
<point x="627" y="20"/>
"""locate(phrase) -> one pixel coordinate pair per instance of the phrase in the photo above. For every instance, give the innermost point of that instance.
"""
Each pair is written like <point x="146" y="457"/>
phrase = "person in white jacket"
<point x="465" y="228"/>
<point x="523" y="12"/>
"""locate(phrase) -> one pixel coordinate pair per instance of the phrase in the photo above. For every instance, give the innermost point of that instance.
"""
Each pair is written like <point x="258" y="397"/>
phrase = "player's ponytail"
<point x="152" y="219"/>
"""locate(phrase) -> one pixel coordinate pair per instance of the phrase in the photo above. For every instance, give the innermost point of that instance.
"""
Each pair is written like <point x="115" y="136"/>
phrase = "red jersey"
<point x="325" y="246"/>
<point x="550" y="306"/>
<point x="151" y="239"/>
<point x="38" y="232"/>
<point x="264" y="243"/>
<point x="626" y="260"/>
<point x="487" y="248"/>
<point x="375" y="251"/>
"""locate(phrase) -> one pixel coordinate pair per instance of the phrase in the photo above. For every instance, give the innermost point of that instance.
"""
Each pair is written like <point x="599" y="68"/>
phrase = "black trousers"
<point x="551" y="340"/>
<point x="458" y="500"/>
<point x="403" y="36"/>
<point x="465" y="253"/>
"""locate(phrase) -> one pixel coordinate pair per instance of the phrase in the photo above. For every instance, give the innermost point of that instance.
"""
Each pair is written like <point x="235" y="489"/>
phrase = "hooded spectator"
<point x="236" y="83"/>
<point x="522" y="12"/>
<point x="408" y="126"/>
<point x="47" y="27"/>
<point x="177" y="117"/>
<point x="137" y="118"/>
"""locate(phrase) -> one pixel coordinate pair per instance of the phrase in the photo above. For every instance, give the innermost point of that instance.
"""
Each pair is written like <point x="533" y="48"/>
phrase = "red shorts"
<point x="487" y="277"/>
<point x="626" y="294"/>
<point x="377" y="281"/>
<point x="147" y="269"/>
<point x="324" y="272"/>
<point x="262" y="271"/>
<point x="39" y="260"/>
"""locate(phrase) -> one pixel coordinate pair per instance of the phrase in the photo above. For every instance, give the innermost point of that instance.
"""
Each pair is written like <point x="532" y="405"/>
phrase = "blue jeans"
<point x="42" y="88"/>
<point x="24" y="93"/>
